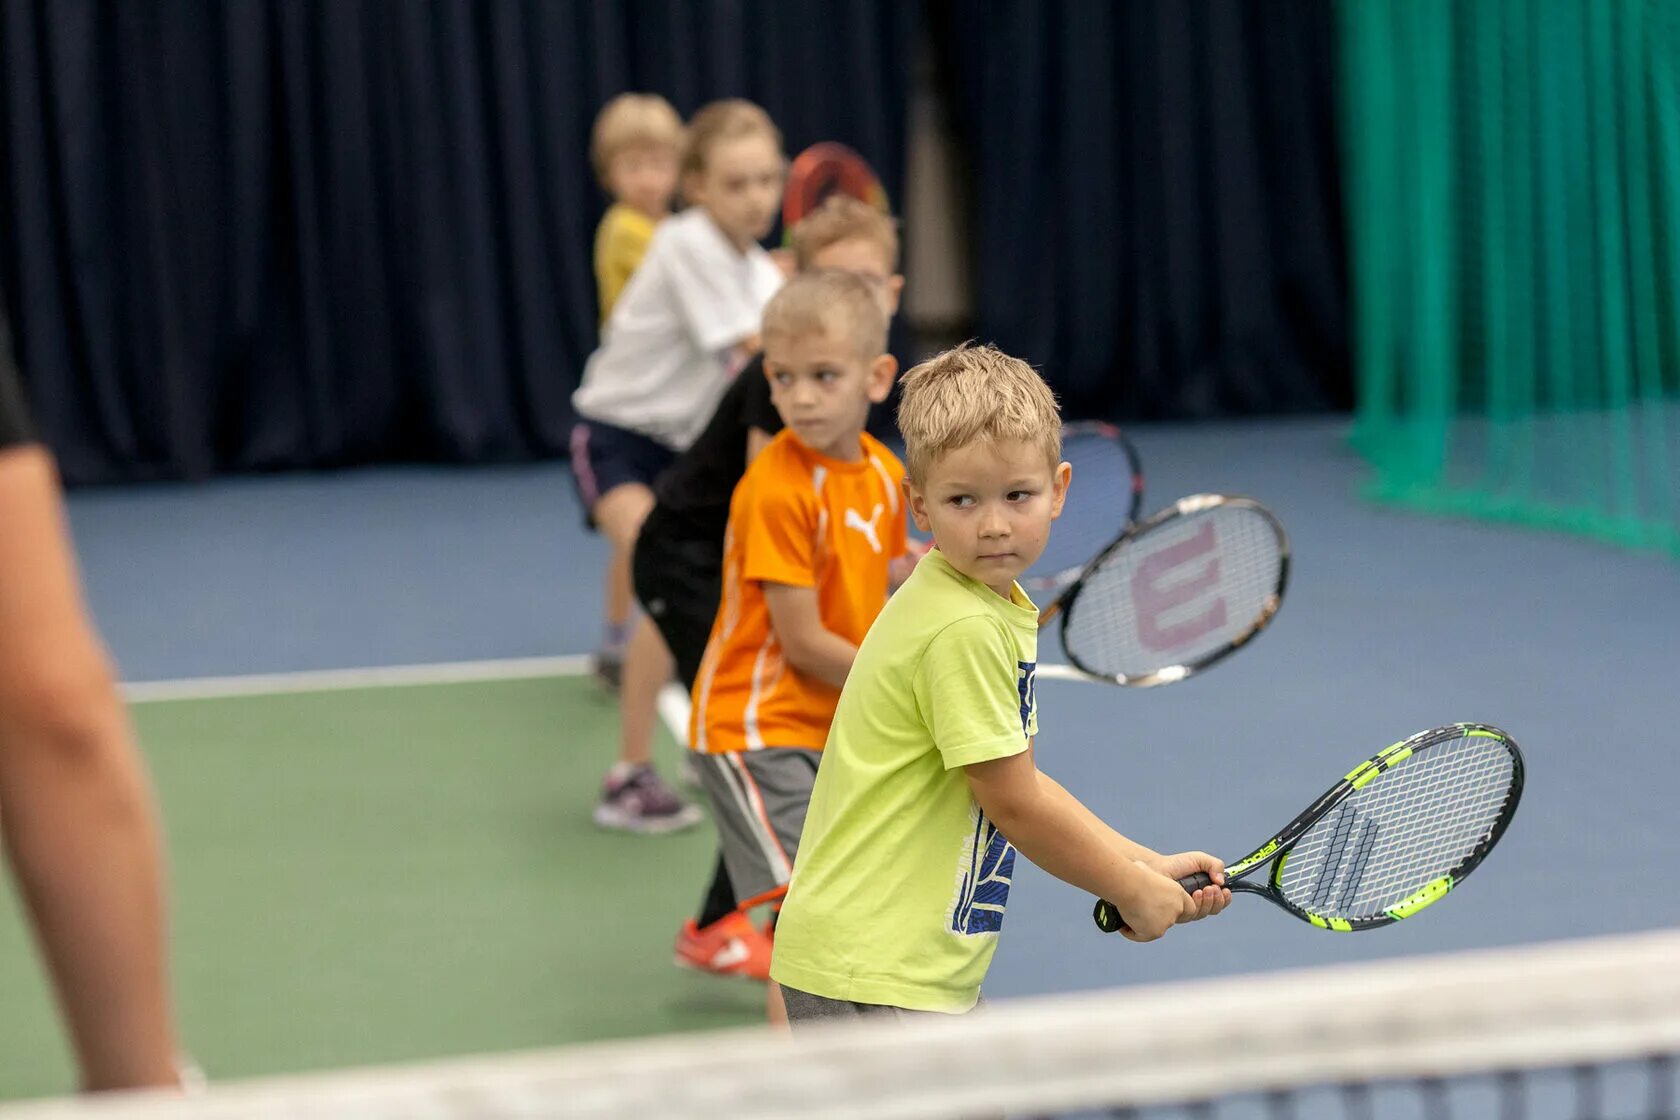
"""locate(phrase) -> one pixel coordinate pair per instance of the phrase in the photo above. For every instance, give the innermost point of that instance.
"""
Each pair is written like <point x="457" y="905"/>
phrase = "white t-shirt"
<point x="660" y="367"/>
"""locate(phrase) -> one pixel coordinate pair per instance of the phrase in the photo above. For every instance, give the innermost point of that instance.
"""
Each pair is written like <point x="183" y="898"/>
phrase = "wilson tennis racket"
<point x="1107" y="475"/>
<point x="824" y="169"/>
<point x="1390" y="839"/>
<point x="1175" y="594"/>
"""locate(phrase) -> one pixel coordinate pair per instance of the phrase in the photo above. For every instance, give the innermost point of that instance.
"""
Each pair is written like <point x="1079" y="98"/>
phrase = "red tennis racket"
<point x="825" y="169"/>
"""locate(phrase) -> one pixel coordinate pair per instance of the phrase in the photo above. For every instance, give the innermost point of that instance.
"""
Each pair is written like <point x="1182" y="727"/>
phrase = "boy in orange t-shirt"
<point x="816" y="536"/>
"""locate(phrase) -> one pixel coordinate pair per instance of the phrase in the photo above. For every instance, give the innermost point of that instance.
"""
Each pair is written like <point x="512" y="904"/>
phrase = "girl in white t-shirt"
<point x="687" y="321"/>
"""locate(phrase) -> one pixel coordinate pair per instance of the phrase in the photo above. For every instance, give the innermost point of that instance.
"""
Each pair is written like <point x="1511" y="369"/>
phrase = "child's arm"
<point x="720" y="314"/>
<point x="1050" y="827"/>
<point x="1174" y="867"/>
<point x="807" y="644"/>
<point x="1126" y="848"/>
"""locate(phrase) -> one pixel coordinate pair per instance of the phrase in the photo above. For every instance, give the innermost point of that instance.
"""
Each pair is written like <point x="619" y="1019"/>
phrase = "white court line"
<point x="673" y="701"/>
<point x="338" y="680"/>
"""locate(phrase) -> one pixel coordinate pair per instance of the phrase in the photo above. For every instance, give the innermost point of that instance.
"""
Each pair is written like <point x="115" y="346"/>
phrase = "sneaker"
<point x="730" y="946"/>
<point x="642" y="802"/>
<point x="608" y="666"/>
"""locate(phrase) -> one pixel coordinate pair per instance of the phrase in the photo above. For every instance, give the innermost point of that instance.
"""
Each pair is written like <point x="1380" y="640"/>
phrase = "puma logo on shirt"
<point x="854" y="520"/>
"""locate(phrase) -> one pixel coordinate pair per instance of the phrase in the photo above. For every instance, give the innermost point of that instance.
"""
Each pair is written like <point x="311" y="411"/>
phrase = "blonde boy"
<point x="928" y="785"/>
<point x="635" y="146"/>
<point x="677" y="567"/>
<point x="814" y="527"/>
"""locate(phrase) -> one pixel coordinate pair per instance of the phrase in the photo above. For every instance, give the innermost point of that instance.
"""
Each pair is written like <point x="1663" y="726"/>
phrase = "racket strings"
<point x="1100" y="495"/>
<point x="1178" y="594"/>
<point x="1407" y="828"/>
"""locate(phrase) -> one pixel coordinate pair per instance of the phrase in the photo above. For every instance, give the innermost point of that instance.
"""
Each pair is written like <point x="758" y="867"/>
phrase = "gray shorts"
<point x="758" y="801"/>
<point x="805" y="1009"/>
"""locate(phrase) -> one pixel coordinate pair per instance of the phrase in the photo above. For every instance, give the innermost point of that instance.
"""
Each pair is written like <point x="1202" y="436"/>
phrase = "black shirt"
<point x="694" y="493"/>
<point x="14" y="420"/>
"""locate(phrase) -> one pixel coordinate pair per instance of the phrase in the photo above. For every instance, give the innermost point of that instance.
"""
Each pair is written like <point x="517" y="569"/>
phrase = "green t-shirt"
<point x="900" y="882"/>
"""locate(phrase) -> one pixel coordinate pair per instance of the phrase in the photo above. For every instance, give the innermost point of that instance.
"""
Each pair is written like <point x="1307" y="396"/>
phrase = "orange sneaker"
<point x="730" y="946"/>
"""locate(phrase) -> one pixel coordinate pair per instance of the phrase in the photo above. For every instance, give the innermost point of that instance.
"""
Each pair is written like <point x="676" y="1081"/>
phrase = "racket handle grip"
<point x="1107" y="915"/>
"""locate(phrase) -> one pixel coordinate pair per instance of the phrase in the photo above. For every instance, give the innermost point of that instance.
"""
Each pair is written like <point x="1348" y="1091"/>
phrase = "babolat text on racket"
<point x="1397" y="833"/>
<point x="1174" y="594"/>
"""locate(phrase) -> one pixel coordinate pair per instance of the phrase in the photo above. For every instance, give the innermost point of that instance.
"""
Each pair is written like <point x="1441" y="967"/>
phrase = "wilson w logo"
<point x="1164" y="583"/>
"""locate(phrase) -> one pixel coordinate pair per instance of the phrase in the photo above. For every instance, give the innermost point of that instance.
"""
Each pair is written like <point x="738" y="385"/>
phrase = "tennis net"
<point x="1578" y="1030"/>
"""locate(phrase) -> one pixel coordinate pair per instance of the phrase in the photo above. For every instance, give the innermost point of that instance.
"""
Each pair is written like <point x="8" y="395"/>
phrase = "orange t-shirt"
<point x="806" y="520"/>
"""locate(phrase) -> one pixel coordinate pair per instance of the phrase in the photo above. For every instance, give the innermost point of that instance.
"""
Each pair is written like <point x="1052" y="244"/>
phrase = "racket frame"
<point x="1056" y="581"/>
<point x="1067" y="602"/>
<point x="821" y="154"/>
<point x="1275" y="851"/>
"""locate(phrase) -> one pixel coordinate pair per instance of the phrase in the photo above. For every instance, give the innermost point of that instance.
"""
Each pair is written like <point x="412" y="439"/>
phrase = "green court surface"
<point x="397" y="873"/>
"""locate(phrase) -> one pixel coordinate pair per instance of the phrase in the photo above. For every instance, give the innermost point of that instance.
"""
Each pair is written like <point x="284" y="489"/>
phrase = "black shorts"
<point x="605" y="458"/>
<point x="678" y="582"/>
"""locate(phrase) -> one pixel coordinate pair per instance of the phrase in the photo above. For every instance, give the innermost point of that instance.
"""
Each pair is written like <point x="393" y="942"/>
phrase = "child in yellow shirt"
<point x="635" y="146"/>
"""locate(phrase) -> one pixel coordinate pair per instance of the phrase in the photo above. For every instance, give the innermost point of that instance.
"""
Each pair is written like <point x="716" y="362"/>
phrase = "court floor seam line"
<point x="336" y="680"/>
<point x="673" y="701"/>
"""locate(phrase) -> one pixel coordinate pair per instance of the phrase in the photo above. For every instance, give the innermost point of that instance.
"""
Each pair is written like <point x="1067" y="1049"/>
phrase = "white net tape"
<point x="1565" y="1004"/>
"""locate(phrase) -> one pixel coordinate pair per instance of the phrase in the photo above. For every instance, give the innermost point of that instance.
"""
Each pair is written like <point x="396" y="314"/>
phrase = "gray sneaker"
<point x="643" y="802"/>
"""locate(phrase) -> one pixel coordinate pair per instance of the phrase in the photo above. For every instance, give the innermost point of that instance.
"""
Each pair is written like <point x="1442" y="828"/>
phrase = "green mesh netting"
<point x="1513" y="175"/>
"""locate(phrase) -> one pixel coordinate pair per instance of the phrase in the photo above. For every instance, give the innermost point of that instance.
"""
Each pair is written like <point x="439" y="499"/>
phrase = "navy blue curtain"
<point x="1157" y="217"/>
<point x="256" y="234"/>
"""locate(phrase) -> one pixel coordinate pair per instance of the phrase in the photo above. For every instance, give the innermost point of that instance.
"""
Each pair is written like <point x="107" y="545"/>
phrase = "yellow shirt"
<point x="899" y="887"/>
<point x="621" y="242"/>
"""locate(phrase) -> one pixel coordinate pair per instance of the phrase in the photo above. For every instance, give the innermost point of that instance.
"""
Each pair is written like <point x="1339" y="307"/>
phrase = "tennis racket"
<point x="1174" y="594"/>
<point x="1390" y="839"/>
<point x="824" y="169"/>
<point x="1107" y="474"/>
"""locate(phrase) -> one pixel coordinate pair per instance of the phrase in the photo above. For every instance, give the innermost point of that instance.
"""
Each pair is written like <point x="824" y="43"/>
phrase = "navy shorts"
<point x="605" y="458"/>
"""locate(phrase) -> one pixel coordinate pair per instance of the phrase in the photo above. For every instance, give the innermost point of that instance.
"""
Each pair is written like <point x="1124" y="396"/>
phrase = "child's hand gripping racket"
<point x="1392" y="837"/>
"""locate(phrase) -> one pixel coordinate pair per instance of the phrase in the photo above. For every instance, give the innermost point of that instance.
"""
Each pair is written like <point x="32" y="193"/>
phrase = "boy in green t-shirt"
<point x="928" y="785"/>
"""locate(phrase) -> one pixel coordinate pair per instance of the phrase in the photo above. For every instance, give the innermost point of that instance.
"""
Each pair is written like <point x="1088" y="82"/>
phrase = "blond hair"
<point x="971" y="394"/>
<point x="729" y="119"/>
<point x="829" y="302"/>
<point x="631" y="119"/>
<point x="844" y="218"/>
